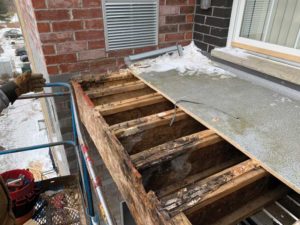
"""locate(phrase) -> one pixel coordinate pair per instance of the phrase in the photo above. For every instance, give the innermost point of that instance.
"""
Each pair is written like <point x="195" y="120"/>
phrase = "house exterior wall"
<point x="72" y="34"/>
<point x="38" y="65"/>
<point x="67" y="39"/>
<point x="211" y="25"/>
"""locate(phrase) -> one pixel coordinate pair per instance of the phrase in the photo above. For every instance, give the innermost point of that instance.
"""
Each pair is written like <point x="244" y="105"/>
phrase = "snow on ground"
<point x="19" y="124"/>
<point x="192" y="62"/>
<point x="19" y="128"/>
<point x="241" y="53"/>
<point x="13" y="19"/>
<point x="9" y="49"/>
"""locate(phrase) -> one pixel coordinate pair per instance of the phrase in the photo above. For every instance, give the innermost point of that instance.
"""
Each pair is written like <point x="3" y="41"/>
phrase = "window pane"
<point x="272" y="21"/>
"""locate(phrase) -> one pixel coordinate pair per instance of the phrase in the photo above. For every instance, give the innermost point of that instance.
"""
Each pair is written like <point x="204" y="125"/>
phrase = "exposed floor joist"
<point x="121" y="106"/>
<point x="213" y="188"/>
<point x="168" y="174"/>
<point x="174" y="148"/>
<point x="117" y="89"/>
<point x="252" y="206"/>
<point x="139" y="125"/>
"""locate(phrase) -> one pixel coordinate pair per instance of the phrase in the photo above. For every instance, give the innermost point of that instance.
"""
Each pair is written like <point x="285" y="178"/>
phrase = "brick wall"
<point x="211" y="25"/>
<point x="72" y="35"/>
<point x="69" y="39"/>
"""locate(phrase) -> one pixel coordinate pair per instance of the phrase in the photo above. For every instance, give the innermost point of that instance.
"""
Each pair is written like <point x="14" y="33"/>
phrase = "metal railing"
<point x="86" y="167"/>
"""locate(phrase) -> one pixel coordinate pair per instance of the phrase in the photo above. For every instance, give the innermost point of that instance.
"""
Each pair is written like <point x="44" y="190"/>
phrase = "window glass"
<point x="272" y="21"/>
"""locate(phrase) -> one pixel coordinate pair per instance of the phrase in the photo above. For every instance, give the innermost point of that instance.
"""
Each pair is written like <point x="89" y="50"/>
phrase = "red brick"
<point x="89" y="35"/>
<point x="91" y="54"/>
<point x="88" y="3"/>
<point x="189" y="35"/>
<point x="144" y="49"/>
<point x="52" y="70"/>
<point x="165" y="45"/>
<point x="121" y="64"/>
<point x="169" y="10"/>
<point x="67" y="25"/>
<point x="190" y="18"/>
<point x="168" y="29"/>
<point x="192" y="2"/>
<point x="176" y="2"/>
<point x="87" y="13"/>
<point x="74" y="67"/>
<point x="187" y="9"/>
<point x="184" y="43"/>
<point x="162" y="2"/>
<point x="56" y="37"/>
<point x="175" y="37"/>
<point x="175" y="19"/>
<point x="186" y="27"/>
<point x="58" y="59"/>
<point x="94" y="24"/>
<point x="43" y="27"/>
<point x="62" y="3"/>
<point x="120" y="53"/>
<point x="103" y="65"/>
<point x="96" y="44"/>
<point x="52" y="15"/>
<point x="39" y="4"/>
<point x="71" y="47"/>
<point x="162" y="20"/>
<point x="48" y="49"/>
<point x="161" y="38"/>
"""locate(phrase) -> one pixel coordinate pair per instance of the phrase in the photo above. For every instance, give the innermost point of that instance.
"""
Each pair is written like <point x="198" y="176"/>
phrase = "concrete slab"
<point x="261" y="122"/>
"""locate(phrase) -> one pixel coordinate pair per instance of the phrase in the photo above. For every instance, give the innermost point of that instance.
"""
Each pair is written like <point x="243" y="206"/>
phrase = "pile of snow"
<point x="192" y="62"/>
<point x="9" y="49"/>
<point x="236" y="52"/>
<point x="19" y="125"/>
<point x="12" y="19"/>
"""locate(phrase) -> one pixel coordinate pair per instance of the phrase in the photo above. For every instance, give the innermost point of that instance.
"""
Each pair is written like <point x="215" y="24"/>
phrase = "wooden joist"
<point x="213" y="188"/>
<point x="100" y="78"/>
<point x="193" y="179"/>
<point x="174" y="148"/>
<point x="116" y="89"/>
<point x="252" y="206"/>
<point x="168" y="175"/>
<point x="132" y="103"/>
<point x="139" y="125"/>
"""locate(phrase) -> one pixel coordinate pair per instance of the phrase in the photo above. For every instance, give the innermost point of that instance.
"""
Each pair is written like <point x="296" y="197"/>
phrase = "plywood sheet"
<point x="262" y="123"/>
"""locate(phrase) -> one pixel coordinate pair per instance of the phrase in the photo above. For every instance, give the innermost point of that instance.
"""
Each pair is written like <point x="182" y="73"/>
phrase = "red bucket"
<point x="22" y="190"/>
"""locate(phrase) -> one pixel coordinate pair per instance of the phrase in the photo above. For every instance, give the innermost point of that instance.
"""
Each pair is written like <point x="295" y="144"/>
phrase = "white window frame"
<point x="234" y="39"/>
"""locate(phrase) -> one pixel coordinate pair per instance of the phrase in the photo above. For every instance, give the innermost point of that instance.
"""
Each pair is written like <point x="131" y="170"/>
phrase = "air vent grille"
<point x="130" y="23"/>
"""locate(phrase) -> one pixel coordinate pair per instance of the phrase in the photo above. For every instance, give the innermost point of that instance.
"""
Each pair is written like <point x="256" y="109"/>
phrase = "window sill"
<point x="280" y="69"/>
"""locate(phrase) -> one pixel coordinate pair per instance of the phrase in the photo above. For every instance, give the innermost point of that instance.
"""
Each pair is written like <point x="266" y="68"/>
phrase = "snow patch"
<point x="9" y="49"/>
<point x="19" y="125"/>
<point x="241" y="53"/>
<point x="192" y="62"/>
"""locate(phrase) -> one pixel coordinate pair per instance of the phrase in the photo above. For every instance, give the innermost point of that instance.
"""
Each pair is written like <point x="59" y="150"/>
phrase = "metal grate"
<point x="130" y="23"/>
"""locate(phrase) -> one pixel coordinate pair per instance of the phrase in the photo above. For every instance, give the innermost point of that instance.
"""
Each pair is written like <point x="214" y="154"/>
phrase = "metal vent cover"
<point x="130" y="23"/>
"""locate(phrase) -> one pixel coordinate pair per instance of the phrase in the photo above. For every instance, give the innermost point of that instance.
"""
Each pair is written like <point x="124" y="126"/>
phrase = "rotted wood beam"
<point x="252" y="206"/>
<point x="128" y="104"/>
<point x="116" y="89"/>
<point x="213" y="188"/>
<point x="100" y="78"/>
<point x="133" y="127"/>
<point x="171" y="149"/>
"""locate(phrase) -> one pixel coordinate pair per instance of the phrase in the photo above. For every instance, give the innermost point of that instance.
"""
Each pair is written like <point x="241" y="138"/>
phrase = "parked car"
<point x="26" y="67"/>
<point x="21" y="51"/>
<point x="13" y="33"/>
<point x="24" y="58"/>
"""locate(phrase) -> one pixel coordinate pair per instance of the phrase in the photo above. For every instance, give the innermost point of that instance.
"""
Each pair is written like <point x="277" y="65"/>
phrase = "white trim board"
<point x="281" y="70"/>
